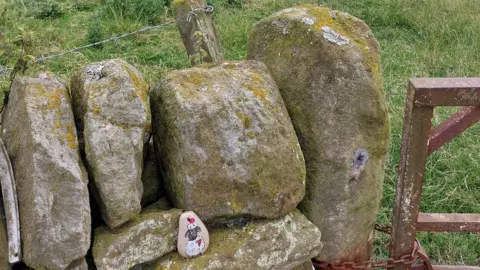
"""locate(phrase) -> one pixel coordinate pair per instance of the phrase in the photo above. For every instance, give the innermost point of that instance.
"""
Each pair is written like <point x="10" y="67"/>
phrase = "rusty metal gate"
<point x="419" y="141"/>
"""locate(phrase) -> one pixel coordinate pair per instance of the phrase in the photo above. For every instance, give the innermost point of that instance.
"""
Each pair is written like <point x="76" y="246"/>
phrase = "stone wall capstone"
<point x="111" y="108"/>
<point x="326" y="64"/>
<point x="226" y="143"/>
<point x="41" y="139"/>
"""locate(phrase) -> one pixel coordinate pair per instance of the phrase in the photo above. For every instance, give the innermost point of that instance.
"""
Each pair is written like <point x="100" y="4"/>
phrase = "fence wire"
<point x="4" y="70"/>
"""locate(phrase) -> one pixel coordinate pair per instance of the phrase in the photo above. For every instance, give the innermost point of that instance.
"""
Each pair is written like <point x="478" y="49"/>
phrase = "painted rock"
<point x="193" y="238"/>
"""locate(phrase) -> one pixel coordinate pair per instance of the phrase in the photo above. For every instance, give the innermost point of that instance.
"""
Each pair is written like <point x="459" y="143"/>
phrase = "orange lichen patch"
<point x="258" y="79"/>
<point x="140" y="85"/>
<point x="259" y="94"/>
<point x="53" y="97"/>
<point x="148" y="127"/>
<point x="70" y="137"/>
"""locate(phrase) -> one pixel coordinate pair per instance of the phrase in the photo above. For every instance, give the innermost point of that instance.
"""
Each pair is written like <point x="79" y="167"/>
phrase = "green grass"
<point x="430" y="38"/>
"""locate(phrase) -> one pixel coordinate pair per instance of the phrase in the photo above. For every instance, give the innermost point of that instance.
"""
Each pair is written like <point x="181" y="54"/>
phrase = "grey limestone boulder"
<point x="226" y="143"/>
<point x="146" y="238"/>
<point x="41" y="139"/>
<point x="283" y="243"/>
<point x="112" y="113"/>
<point x="327" y="66"/>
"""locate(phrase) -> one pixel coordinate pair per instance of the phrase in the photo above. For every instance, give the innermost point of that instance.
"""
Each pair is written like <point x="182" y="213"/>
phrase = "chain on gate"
<point x="418" y="255"/>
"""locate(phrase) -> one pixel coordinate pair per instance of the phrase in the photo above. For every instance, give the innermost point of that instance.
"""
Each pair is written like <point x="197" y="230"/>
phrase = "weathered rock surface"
<point x="80" y="264"/>
<point x="264" y="244"/>
<point x="148" y="237"/>
<point x="111" y="109"/>
<point x="151" y="177"/>
<point x="40" y="136"/>
<point x="327" y="66"/>
<point x="308" y="265"/>
<point x="226" y="142"/>
<point x="162" y="204"/>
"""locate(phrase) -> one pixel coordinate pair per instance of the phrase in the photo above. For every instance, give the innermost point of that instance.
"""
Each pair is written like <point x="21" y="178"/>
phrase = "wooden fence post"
<point x="195" y="23"/>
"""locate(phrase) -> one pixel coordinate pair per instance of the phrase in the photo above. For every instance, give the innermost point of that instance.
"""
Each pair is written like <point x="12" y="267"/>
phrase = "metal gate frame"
<point x="419" y="141"/>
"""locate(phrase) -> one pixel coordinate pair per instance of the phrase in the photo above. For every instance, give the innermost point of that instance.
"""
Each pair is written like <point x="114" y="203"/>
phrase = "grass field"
<point x="419" y="38"/>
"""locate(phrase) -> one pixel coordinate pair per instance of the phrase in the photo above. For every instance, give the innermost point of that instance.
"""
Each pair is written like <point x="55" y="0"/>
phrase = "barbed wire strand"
<point x="193" y="13"/>
<point x="42" y="59"/>
<point x="4" y="70"/>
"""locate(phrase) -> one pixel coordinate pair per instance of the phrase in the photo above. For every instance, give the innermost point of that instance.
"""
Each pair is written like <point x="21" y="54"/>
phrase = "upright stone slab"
<point x="148" y="237"/>
<point x="110" y="106"/>
<point x="226" y="142"/>
<point x="283" y="243"/>
<point x="40" y="136"/>
<point x="327" y="66"/>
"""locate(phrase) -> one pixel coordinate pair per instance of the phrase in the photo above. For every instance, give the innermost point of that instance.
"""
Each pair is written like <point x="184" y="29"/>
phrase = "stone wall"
<point x="106" y="166"/>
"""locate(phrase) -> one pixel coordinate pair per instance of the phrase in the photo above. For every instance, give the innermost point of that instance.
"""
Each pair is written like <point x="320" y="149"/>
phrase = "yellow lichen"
<point x="139" y="84"/>
<point x="347" y="26"/>
<point x="96" y="110"/>
<point x="246" y="120"/>
<point x="259" y="94"/>
<point x="70" y="137"/>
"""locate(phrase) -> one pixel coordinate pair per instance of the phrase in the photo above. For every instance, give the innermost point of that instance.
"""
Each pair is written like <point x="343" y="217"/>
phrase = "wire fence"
<point x="4" y="71"/>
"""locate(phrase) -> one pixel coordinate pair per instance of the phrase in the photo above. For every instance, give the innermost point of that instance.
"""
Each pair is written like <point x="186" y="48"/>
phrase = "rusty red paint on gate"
<point x="419" y="141"/>
<point x="452" y="127"/>
<point x="428" y="222"/>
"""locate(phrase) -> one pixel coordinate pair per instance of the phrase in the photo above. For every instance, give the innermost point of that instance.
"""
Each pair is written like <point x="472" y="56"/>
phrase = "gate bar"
<point x="422" y="96"/>
<point x="428" y="222"/>
<point x="452" y="127"/>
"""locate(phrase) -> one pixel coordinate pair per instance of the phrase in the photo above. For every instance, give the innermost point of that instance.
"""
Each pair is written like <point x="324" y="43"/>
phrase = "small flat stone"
<point x="146" y="238"/>
<point x="193" y="238"/>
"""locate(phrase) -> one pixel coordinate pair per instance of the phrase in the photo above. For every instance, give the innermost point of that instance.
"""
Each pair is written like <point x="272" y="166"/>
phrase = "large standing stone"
<point x="327" y="66"/>
<point x="226" y="142"/>
<point x="146" y="238"/>
<point x="40" y="136"/>
<point x="264" y="244"/>
<point x="110" y="106"/>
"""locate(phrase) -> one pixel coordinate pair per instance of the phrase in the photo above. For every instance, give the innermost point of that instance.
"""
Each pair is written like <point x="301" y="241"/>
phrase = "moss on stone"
<point x="219" y="110"/>
<point x="335" y="97"/>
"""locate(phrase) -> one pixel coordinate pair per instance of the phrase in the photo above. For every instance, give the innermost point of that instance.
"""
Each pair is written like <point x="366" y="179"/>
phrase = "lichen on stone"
<point x="334" y="37"/>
